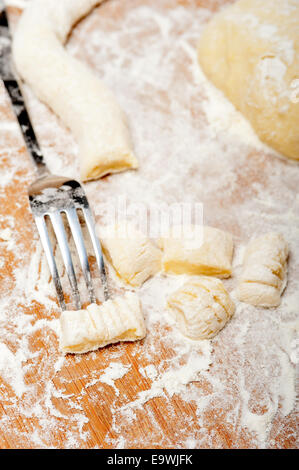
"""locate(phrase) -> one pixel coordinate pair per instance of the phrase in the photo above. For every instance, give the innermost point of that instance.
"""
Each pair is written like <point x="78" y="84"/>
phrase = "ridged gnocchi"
<point x="201" y="307"/>
<point x="209" y="255"/>
<point x="120" y="319"/>
<point x="264" y="271"/>
<point x="134" y="257"/>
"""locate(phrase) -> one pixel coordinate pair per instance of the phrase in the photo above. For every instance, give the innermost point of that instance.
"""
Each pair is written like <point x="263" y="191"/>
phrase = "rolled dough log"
<point x="70" y="88"/>
<point x="120" y="319"/>
<point x="250" y="50"/>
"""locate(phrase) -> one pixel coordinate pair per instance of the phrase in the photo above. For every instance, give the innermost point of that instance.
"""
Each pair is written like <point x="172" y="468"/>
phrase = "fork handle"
<point x="19" y="107"/>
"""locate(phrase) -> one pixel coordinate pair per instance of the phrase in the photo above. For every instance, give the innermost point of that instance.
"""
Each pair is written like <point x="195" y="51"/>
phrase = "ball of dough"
<point x="134" y="257"/>
<point x="209" y="254"/>
<point x="201" y="307"/>
<point x="250" y="50"/>
<point x="264" y="271"/>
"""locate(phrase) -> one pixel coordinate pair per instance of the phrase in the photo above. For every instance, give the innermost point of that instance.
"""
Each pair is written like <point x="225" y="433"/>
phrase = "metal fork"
<point x="52" y="195"/>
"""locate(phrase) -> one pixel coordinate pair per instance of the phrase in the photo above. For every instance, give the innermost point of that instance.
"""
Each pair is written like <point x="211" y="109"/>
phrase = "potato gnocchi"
<point x="134" y="257"/>
<point x="211" y="256"/>
<point x="201" y="307"/>
<point x="120" y="319"/>
<point x="264" y="271"/>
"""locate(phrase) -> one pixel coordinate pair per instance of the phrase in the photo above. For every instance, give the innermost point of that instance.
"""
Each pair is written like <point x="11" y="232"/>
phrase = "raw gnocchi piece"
<point x="70" y="88"/>
<point x="264" y="271"/>
<point x="201" y="307"/>
<point x="134" y="257"/>
<point x="210" y="255"/>
<point x="120" y="319"/>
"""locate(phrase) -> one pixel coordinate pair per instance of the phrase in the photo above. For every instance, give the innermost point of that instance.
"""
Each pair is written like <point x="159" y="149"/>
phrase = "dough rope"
<point x="70" y="88"/>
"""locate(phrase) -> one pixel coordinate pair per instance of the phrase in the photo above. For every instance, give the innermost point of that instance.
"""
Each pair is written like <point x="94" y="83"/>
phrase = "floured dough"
<point x="70" y="88"/>
<point x="211" y="257"/>
<point x="264" y="271"/>
<point x="250" y="50"/>
<point x="201" y="307"/>
<point x="120" y="319"/>
<point x="134" y="257"/>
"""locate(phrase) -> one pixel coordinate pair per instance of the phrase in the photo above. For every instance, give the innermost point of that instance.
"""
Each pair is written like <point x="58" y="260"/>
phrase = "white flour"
<point x="116" y="370"/>
<point x="11" y="369"/>
<point x="192" y="146"/>
<point x="173" y="381"/>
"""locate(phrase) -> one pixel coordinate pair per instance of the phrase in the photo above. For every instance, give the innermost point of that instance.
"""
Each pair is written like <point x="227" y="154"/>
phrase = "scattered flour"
<point x="174" y="380"/>
<point x="115" y="371"/>
<point x="5" y="234"/>
<point x="149" y="371"/>
<point x="11" y="369"/>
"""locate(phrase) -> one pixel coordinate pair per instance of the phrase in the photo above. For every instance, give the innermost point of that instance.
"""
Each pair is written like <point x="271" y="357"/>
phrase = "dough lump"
<point x="264" y="271"/>
<point x="134" y="257"/>
<point x="201" y="307"/>
<point x="250" y="50"/>
<point x="70" y="88"/>
<point x="211" y="256"/>
<point x="120" y="319"/>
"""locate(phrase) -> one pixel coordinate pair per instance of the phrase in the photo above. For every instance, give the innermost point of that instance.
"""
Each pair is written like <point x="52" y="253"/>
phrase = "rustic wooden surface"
<point x="162" y="420"/>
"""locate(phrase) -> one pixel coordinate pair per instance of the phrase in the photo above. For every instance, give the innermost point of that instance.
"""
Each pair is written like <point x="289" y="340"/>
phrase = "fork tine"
<point x="66" y="254"/>
<point x="97" y="248"/>
<point x="79" y="242"/>
<point x="45" y="240"/>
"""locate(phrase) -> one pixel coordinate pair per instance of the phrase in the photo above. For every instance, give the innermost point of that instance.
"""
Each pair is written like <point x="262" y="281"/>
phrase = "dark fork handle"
<point x="16" y="96"/>
<point x="19" y="108"/>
